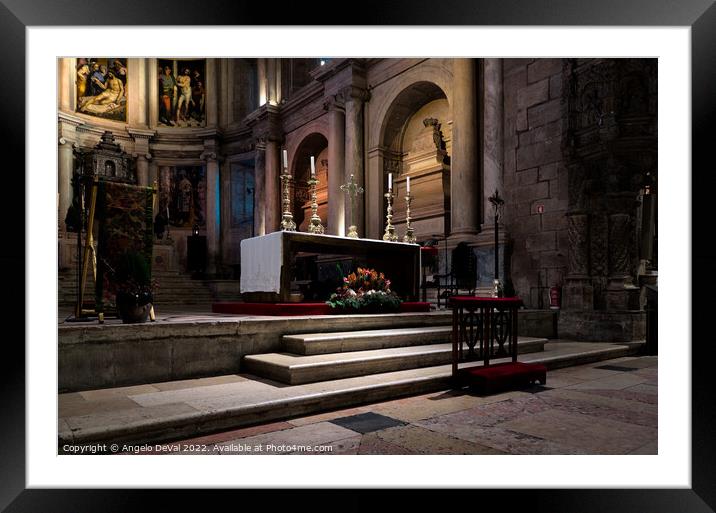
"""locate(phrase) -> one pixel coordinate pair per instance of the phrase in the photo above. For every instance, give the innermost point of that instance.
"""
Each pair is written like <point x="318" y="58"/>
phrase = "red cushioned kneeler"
<point x="503" y="376"/>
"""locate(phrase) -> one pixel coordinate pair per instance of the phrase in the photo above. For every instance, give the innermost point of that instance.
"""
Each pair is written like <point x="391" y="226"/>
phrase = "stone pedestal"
<point x="164" y="257"/>
<point x="602" y="326"/>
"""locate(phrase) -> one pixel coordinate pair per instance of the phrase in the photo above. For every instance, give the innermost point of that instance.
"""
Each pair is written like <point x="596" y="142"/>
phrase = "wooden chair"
<point x="462" y="275"/>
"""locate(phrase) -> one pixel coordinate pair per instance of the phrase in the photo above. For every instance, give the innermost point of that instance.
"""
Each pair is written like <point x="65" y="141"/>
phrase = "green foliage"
<point x="132" y="267"/>
<point x="132" y="278"/>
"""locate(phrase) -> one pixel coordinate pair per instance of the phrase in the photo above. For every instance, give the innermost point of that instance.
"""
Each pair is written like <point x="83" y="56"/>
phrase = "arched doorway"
<point x="417" y="142"/>
<point x="315" y="145"/>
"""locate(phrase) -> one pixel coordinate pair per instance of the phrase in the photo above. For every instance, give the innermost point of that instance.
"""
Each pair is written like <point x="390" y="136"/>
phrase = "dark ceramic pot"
<point x="133" y="308"/>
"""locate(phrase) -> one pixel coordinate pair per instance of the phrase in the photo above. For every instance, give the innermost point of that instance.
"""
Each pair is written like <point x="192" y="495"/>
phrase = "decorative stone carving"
<point x="598" y="240"/>
<point x="352" y="92"/>
<point x="577" y="230"/>
<point x="392" y="165"/>
<point x="334" y="102"/>
<point x="609" y="147"/>
<point x="108" y="161"/>
<point x="620" y="235"/>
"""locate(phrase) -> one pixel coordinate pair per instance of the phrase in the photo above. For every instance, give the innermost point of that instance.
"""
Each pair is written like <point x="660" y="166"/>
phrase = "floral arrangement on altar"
<point x="366" y="290"/>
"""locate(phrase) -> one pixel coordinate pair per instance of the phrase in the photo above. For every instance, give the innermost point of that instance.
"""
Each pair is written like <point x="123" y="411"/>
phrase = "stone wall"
<point x="534" y="175"/>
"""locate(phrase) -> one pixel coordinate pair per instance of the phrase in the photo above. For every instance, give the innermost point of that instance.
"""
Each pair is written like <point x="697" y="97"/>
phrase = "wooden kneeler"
<point x="485" y="328"/>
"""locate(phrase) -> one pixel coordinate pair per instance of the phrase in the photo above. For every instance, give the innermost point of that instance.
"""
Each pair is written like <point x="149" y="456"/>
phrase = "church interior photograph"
<point x="355" y="256"/>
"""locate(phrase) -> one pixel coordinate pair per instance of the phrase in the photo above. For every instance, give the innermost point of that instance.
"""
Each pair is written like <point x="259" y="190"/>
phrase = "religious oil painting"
<point x="184" y="194"/>
<point x="182" y="92"/>
<point x="101" y="87"/>
<point x="243" y="192"/>
<point x="380" y="255"/>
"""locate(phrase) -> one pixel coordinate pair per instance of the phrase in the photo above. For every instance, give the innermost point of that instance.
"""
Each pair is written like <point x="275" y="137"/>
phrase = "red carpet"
<point x="284" y="309"/>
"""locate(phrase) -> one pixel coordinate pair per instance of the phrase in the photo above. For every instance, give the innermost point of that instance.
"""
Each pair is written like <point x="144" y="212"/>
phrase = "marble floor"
<point x="609" y="407"/>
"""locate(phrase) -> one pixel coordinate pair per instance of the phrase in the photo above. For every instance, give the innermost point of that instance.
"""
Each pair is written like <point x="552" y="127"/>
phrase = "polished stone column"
<point x="260" y="185"/>
<point x="225" y="183"/>
<point x="336" y="165"/>
<point x="152" y="101"/>
<point x="464" y="190"/>
<point x="153" y="175"/>
<point x="273" y="187"/>
<point x="64" y="185"/>
<point x="66" y="68"/>
<point x="274" y="81"/>
<point x="140" y="103"/>
<point x="354" y="152"/>
<point x="224" y="92"/>
<point x="136" y="83"/>
<point x="493" y="156"/>
<point x="263" y="81"/>
<point x="213" y="217"/>
<point x="212" y="104"/>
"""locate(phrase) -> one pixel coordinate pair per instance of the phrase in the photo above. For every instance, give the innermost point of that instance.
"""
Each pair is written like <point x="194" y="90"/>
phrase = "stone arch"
<point x="392" y="104"/>
<point x="313" y="144"/>
<point x="415" y="134"/>
<point x="295" y="138"/>
<point x="435" y="72"/>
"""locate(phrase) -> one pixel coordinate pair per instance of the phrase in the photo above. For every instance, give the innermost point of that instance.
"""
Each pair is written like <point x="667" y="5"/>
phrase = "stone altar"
<point x="269" y="262"/>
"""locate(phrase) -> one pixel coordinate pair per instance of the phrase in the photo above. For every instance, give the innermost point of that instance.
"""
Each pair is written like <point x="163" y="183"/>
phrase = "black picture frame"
<point x="700" y="15"/>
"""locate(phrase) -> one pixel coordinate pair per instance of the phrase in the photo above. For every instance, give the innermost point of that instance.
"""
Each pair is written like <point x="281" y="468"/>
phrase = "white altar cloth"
<point x="261" y="263"/>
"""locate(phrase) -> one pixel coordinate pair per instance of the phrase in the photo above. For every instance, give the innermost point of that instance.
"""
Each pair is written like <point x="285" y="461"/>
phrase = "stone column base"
<point x="620" y="296"/>
<point x="66" y="250"/>
<point x="602" y="326"/>
<point x="578" y="295"/>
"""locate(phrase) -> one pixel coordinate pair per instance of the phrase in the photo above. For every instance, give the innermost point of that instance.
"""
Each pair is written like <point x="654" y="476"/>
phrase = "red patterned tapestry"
<point x="124" y="215"/>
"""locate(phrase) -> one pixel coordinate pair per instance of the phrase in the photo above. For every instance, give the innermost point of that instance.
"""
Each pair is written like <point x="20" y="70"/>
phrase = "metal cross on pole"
<point x="352" y="190"/>
<point x="497" y="203"/>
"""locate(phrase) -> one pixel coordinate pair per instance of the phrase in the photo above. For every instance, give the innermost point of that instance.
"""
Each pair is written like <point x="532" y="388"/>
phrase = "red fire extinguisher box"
<point x="555" y="297"/>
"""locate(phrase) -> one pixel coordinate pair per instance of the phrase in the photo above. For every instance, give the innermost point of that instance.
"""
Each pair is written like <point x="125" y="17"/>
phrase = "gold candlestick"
<point x="315" y="226"/>
<point x="409" y="236"/>
<point x="389" y="234"/>
<point x="287" y="223"/>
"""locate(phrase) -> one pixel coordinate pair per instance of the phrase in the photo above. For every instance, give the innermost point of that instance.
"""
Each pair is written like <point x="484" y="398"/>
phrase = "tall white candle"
<point x="285" y="159"/>
<point x="407" y="183"/>
<point x="167" y="211"/>
<point x="313" y="166"/>
<point x="390" y="181"/>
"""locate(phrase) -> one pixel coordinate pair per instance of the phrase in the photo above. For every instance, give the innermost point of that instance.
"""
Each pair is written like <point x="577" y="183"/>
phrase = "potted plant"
<point x="133" y="288"/>
<point x="365" y="291"/>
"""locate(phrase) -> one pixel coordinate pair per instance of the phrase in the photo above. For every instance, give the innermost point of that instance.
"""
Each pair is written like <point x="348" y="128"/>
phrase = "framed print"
<point x="141" y="70"/>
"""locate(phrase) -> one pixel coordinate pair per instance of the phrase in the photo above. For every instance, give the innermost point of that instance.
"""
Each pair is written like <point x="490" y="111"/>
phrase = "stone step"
<point x="180" y="412"/>
<point x="296" y="369"/>
<point x="174" y="288"/>
<point x="345" y="341"/>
